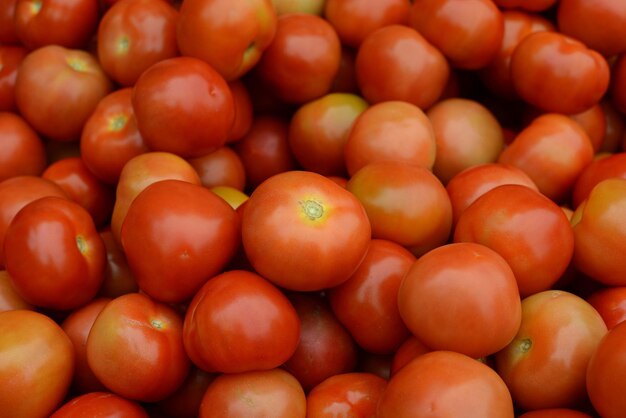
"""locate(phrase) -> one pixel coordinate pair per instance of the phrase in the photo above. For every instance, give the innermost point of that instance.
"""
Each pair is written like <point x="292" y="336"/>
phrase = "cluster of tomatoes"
<point x="313" y="208"/>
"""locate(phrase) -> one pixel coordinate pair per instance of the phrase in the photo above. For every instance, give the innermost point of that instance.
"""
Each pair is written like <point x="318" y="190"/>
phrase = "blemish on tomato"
<point x="157" y="324"/>
<point x="525" y="345"/>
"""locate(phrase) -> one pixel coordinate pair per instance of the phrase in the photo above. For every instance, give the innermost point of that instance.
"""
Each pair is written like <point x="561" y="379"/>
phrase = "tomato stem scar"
<point x="525" y="345"/>
<point x="312" y="209"/>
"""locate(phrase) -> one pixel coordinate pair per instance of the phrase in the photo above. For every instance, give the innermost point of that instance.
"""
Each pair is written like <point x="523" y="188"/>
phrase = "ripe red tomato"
<point x="445" y="384"/>
<point x="22" y="151"/>
<point x="304" y="232"/>
<point x="604" y="166"/>
<point x="100" y="404"/>
<point x="222" y="167"/>
<point x="610" y="302"/>
<point x="555" y="413"/>
<point x="202" y="233"/>
<point x="10" y="59"/>
<point x="54" y="254"/>
<point x="118" y="279"/>
<point x="135" y="348"/>
<point x="9" y="299"/>
<point x="239" y="322"/>
<point x="411" y="348"/>
<point x="36" y="364"/>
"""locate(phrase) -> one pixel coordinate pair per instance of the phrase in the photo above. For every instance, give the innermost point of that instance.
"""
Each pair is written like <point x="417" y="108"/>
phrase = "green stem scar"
<point x="156" y="324"/>
<point x="312" y="209"/>
<point x="81" y="244"/>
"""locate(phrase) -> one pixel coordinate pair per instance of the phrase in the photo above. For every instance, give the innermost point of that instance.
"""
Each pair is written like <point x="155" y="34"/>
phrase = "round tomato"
<point x="222" y="167"/>
<point x="118" y="279"/>
<point x="22" y="151"/>
<point x="100" y="404"/>
<point x="610" y="302"/>
<point x="9" y="299"/>
<point x="10" y="59"/>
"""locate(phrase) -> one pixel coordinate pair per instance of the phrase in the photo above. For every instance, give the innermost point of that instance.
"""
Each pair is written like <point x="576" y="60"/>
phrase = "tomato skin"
<point x="555" y="413"/>
<point x="411" y="348"/>
<point x="10" y="300"/>
<point x="31" y="341"/>
<point x="135" y="348"/>
<point x="449" y="383"/>
<point x="610" y="302"/>
<point x="100" y="404"/>
<point x="559" y="333"/>
<point x="304" y="232"/>
<point x="118" y="279"/>
<point x="10" y="59"/>
<point x="242" y="308"/>
<point x="173" y="270"/>
<point x="593" y="122"/>
<point x="54" y="254"/>
<point x="244" y="110"/>
<point x="7" y="25"/>
<point x="222" y="167"/>
<point x="601" y="168"/>
<point x="558" y="74"/>
<point x="161" y="98"/>
<point x="185" y="402"/>
<point x="22" y="151"/>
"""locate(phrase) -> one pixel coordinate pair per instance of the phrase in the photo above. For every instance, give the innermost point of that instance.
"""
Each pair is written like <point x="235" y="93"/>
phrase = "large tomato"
<point x="100" y="404"/>
<point x="610" y="302"/>
<point x="22" y="151"/>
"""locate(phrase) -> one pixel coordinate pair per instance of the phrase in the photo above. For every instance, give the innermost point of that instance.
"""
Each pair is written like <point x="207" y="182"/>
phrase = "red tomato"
<point x="405" y="204"/>
<point x="54" y="254"/>
<point x="133" y="35"/>
<point x="304" y="232"/>
<point x="7" y="25"/>
<point x="414" y="70"/>
<point x="555" y="413"/>
<point x="527" y="229"/>
<point x="9" y="299"/>
<point x="57" y="89"/>
<point x="36" y="364"/>
<point x="165" y="120"/>
<point x="390" y="131"/>
<point x="239" y="31"/>
<point x="606" y="372"/>
<point x="22" y="151"/>
<point x="254" y="394"/>
<point x="545" y="364"/>
<point x="185" y="402"/>
<point x="530" y="5"/>
<point x="347" y="394"/>
<point x="303" y="59"/>
<point x="118" y="279"/>
<point x="10" y="59"/>
<point x="345" y="79"/>
<point x="325" y="348"/>
<point x="319" y="130"/>
<point x="135" y="348"/>
<point x="367" y="303"/>
<point x="244" y="111"/>
<point x="67" y="23"/>
<point x="240" y="322"/>
<point x="610" y="302"/>
<point x="618" y="86"/>
<point x="445" y="384"/>
<point x="615" y="127"/>
<point x="98" y="404"/>
<point x="468" y="32"/>
<point x="601" y="168"/>
<point x="557" y="73"/>
<point x="222" y="167"/>
<point x="202" y="233"/>
<point x="411" y="348"/>
<point x="486" y="313"/>
<point x="355" y="19"/>
<point x="593" y="122"/>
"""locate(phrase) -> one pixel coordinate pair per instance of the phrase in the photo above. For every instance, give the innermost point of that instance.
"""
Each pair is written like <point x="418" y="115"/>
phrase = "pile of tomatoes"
<point x="313" y="208"/>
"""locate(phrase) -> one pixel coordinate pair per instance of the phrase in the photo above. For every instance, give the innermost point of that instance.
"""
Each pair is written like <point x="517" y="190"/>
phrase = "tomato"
<point x="390" y="131"/>
<point x="73" y="82"/>
<point x="530" y="5"/>
<point x="133" y="35"/>
<point x="529" y="230"/>
<point x="239" y="322"/>
<point x="553" y="150"/>
<point x="10" y="59"/>
<point x="610" y="302"/>
<point x="599" y="233"/>
<point x="411" y="348"/>
<point x="466" y="134"/>
<point x="346" y="394"/>
<point x="77" y="326"/>
<point x="618" y="86"/>
<point x="486" y="313"/>
<point x="244" y="111"/>
<point x="22" y="151"/>
<point x="234" y="197"/>
<point x="593" y="122"/>
<point x="615" y="127"/>
<point x="601" y="168"/>
<point x="239" y="31"/>
<point x="67" y="23"/>
<point x="325" y="348"/>
<point x="468" y="32"/>
<point x="161" y="98"/>
<point x="54" y="254"/>
<point x="254" y="394"/>
<point x="545" y="364"/>
<point x="222" y="167"/>
<point x="135" y="348"/>
<point x="302" y="60"/>
<point x="36" y="364"/>
<point x="202" y="236"/>
<point x="605" y="373"/>
<point x="319" y="130"/>
<point x="355" y="19"/>
<point x="100" y="404"/>
<point x="118" y="279"/>
<point x="185" y="402"/>
<point x="415" y="71"/>
<point x="314" y="7"/>
<point x="9" y="299"/>
<point x="555" y="413"/>
<point x="405" y="204"/>
<point x="345" y="79"/>
<point x="7" y="25"/>
<point x="367" y="303"/>
<point x="557" y="73"/>
<point x="445" y="384"/>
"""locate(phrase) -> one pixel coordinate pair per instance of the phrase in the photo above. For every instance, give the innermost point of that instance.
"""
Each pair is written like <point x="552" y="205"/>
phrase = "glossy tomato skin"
<point x="254" y="394"/>
<point x="610" y="302"/>
<point x="10" y="59"/>
<point x="33" y="342"/>
<point x="54" y="254"/>
<point x="415" y="71"/>
<point x="100" y="404"/>
<point x="601" y="168"/>
<point x="74" y="83"/>
<point x="135" y="348"/>
<point x="450" y="383"/>
<point x="411" y="348"/>
<point x="173" y="270"/>
<point x="135" y="34"/>
<point x="304" y="232"/>
<point x="222" y="167"/>
<point x="559" y="333"/>
<point x="242" y="308"/>
<point x="557" y="73"/>
<point x="9" y="299"/>
<point x="118" y="279"/>
<point x="367" y="303"/>
<point x="22" y="151"/>
<point x="161" y="98"/>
